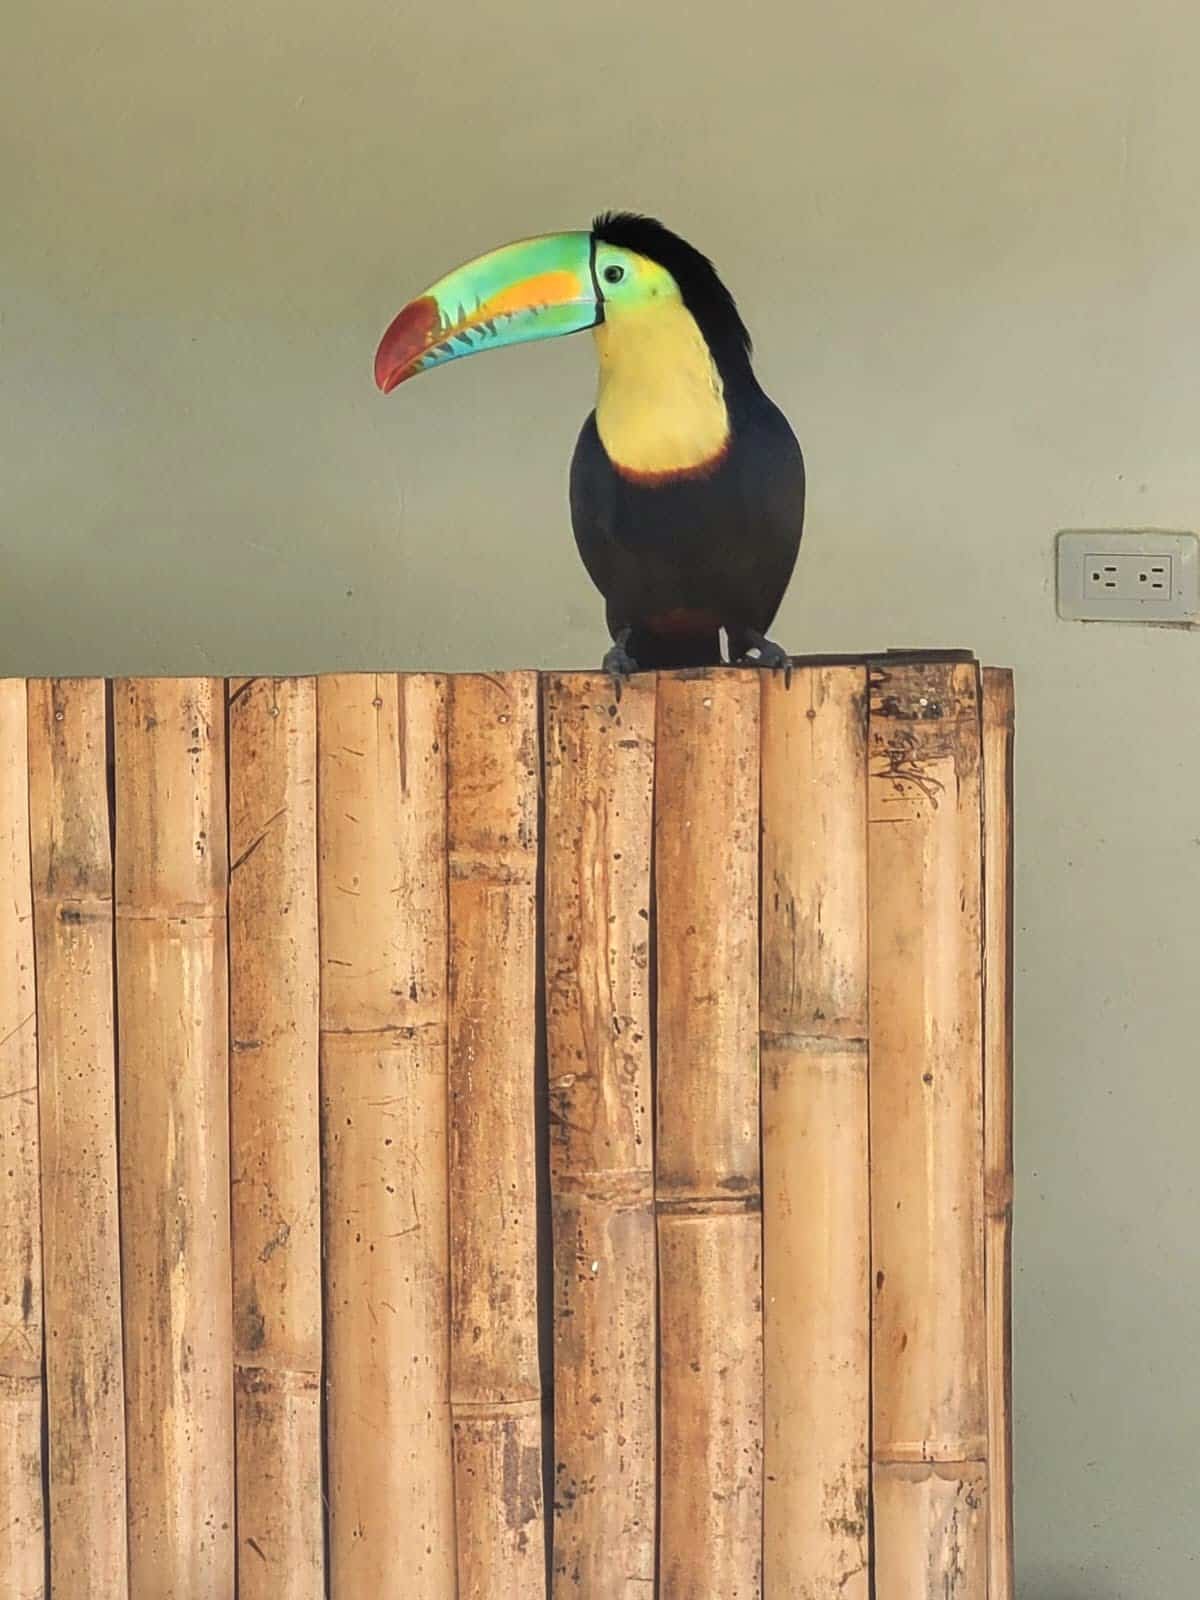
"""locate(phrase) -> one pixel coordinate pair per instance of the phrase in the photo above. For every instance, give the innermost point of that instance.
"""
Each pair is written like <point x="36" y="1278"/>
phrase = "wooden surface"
<point x="81" y="1247"/>
<point x="707" y="1168"/>
<point x="382" y="897"/>
<point x="997" y="1117"/>
<point x="496" y="1378"/>
<point x="816" y="1222"/>
<point x="171" y="872"/>
<point x="22" y="1509"/>
<point x="473" y="1102"/>
<point x="925" y="928"/>
<point x="599" y="766"/>
<point x="275" y="1132"/>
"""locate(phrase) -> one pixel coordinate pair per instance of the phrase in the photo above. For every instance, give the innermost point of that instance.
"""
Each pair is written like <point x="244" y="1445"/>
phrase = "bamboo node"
<point x="496" y="871"/>
<point x="970" y="1451"/>
<point x="628" y="1190"/>
<point x="698" y="1207"/>
<point x="257" y="1379"/>
<point x="817" y="1044"/>
<point x="471" y="1411"/>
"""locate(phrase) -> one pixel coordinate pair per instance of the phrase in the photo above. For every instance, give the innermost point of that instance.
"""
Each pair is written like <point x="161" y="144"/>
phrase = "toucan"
<point x="687" y="483"/>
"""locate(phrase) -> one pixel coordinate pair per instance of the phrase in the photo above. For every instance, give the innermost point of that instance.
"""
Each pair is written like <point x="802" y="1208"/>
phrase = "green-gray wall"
<point x="967" y="237"/>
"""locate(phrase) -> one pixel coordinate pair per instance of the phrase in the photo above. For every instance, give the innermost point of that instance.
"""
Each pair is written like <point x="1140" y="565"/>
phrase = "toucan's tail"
<point x="651" y="650"/>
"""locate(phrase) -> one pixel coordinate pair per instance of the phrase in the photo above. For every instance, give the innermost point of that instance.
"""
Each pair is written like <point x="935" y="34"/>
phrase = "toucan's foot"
<point x="758" y="651"/>
<point x="618" y="663"/>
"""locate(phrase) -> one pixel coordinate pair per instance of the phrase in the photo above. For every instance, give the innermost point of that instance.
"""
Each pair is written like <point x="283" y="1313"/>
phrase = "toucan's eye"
<point x="613" y="274"/>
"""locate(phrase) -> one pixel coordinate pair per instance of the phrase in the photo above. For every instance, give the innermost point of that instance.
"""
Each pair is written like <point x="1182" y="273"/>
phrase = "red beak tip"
<point x="387" y="374"/>
<point x="410" y="334"/>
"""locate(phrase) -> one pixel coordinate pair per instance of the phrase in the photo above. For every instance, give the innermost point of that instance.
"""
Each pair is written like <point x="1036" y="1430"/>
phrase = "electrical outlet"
<point x="1133" y="576"/>
<point x="1128" y="577"/>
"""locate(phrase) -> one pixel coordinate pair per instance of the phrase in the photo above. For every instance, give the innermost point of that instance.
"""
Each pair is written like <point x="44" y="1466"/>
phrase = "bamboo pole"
<point x="931" y="1530"/>
<point x="275" y="1128"/>
<point x="22" y="1508"/>
<point x="707" y="1169"/>
<point x="926" y="1129"/>
<point x="599" y="819"/>
<point x="816" y="1216"/>
<point x="997" y="1116"/>
<point x="382" y="898"/>
<point x="496" y="1382"/>
<point x="73" y="923"/>
<point x="173" y="1090"/>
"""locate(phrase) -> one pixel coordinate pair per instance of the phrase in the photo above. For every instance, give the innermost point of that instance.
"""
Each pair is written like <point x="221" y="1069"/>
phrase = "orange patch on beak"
<point x="546" y="289"/>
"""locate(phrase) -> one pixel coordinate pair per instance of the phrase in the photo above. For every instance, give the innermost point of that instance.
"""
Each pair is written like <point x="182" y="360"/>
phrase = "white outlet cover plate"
<point x="1078" y="601"/>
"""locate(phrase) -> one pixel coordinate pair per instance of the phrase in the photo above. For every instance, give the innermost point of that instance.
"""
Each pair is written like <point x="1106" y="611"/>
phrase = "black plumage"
<point x="680" y="556"/>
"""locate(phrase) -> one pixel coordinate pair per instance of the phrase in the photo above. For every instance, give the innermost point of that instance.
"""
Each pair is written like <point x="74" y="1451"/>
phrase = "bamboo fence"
<point x="483" y="1137"/>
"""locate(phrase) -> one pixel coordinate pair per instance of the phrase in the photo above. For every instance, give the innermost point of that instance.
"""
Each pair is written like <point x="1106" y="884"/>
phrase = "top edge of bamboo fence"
<point x="894" y="656"/>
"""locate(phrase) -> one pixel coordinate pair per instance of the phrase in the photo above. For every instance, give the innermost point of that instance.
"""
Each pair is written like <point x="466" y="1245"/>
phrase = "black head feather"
<point x="705" y="296"/>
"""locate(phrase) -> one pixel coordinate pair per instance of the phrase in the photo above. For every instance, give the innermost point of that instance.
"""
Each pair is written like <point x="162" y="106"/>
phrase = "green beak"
<point x="535" y="289"/>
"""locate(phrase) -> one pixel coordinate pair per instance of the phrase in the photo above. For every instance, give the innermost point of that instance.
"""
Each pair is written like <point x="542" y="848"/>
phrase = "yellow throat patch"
<point x="661" y="407"/>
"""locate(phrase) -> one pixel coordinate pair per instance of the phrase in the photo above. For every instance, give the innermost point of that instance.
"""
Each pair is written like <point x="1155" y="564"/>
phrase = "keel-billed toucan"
<point x="687" y="484"/>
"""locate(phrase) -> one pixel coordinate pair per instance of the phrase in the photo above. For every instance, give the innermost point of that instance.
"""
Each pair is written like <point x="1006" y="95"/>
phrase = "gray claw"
<point x="618" y="663"/>
<point x="759" y="651"/>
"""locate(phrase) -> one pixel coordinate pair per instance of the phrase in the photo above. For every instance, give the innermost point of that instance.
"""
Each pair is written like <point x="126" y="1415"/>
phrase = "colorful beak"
<point x="532" y="290"/>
